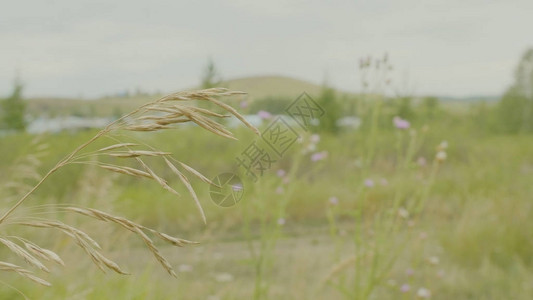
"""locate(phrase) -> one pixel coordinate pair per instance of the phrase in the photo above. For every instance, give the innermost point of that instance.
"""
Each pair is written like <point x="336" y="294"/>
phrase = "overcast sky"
<point x="91" y="48"/>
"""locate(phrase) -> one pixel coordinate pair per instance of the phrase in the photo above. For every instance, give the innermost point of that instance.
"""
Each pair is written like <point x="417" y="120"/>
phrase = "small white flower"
<point x="224" y="277"/>
<point x="184" y="268"/>
<point x="441" y="156"/>
<point x="315" y="138"/>
<point x="423" y="293"/>
<point x="433" y="260"/>
<point x="421" y="161"/>
<point x="402" y="212"/>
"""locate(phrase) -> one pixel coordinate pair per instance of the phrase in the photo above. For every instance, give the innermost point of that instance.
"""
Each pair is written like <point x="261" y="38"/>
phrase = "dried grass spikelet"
<point x="162" y="114"/>
<point x="82" y="239"/>
<point x="138" y="230"/>
<point x="43" y="253"/>
<point x="24" y="172"/>
<point x="5" y="266"/>
<point x="338" y="268"/>
<point x="18" y="250"/>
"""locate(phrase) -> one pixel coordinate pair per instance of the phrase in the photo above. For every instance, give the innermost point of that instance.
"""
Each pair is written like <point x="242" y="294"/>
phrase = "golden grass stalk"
<point x="43" y="253"/>
<point x="162" y="114"/>
<point x="18" y="250"/>
<point x="4" y="266"/>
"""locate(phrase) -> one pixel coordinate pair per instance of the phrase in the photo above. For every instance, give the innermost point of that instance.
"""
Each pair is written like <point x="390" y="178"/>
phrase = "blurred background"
<point x="415" y="183"/>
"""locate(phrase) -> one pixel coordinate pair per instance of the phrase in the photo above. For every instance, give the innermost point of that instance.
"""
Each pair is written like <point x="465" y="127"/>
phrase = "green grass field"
<point x="378" y="218"/>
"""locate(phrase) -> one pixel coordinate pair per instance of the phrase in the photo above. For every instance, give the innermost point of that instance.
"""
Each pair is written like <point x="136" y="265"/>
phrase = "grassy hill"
<point x="257" y="87"/>
<point x="279" y="86"/>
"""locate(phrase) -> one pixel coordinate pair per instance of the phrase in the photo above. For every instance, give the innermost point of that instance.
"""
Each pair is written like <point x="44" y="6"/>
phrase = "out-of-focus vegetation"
<point x="211" y="78"/>
<point x="427" y="198"/>
<point x="13" y="110"/>
<point x="477" y="220"/>
<point x="516" y="107"/>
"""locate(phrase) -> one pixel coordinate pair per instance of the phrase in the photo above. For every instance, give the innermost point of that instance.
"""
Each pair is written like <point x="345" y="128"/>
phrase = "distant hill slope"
<point x="279" y="86"/>
<point x="257" y="87"/>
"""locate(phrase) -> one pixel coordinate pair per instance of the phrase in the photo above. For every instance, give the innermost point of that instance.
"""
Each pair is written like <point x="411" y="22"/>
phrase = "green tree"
<point x="430" y="106"/>
<point x="273" y="104"/>
<point x="405" y="108"/>
<point x="332" y="110"/>
<point x="211" y="78"/>
<point x="516" y="106"/>
<point x="13" y="109"/>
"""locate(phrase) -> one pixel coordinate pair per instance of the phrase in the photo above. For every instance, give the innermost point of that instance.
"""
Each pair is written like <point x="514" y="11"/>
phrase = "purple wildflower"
<point x="265" y="115"/>
<point x="369" y="183"/>
<point x="237" y="187"/>
<point x="319" y="156"/>
<point x="405" y="288"/>
<point x="279" y="190"/>
<point x="401" y="123"/>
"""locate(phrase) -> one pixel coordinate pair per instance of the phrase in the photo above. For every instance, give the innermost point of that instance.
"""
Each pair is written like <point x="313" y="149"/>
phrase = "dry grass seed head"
<point x="135" y="121"/>
<point x="5" y="266"/>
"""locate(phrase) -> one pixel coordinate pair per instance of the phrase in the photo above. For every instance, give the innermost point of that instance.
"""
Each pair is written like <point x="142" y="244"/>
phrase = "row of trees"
<point x="513" y="114"/>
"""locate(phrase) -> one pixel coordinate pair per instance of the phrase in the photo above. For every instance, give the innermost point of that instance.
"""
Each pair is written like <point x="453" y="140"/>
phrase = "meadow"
<point x="437" y="209"/>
